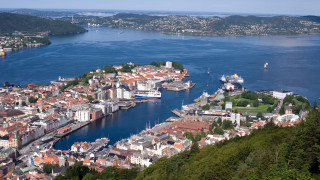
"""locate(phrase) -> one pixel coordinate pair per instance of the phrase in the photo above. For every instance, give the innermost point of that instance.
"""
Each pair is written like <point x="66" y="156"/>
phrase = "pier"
<point x="178" y="112"/>
<point x="178" y="86"/>
<point x="72" y="128"/>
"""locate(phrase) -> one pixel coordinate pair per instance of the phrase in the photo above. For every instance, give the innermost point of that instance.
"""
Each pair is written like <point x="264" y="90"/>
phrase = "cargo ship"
<point x="154" y="94"/>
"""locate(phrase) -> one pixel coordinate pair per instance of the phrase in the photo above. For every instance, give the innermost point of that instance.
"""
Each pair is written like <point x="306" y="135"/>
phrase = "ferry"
<point x="154" y="94"/>
<point x="233" y="79"/>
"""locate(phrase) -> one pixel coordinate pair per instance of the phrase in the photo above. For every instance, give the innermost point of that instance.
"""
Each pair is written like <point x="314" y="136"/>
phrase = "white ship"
<point x="148" y="94"/>
<point x="266" y="65"/>
<point x="233" y="79"/>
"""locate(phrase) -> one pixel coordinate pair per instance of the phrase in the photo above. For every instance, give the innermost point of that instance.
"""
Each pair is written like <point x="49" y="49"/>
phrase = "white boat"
<point x="148" y="94"/>
<point x="233" y="79"/>
<point x="266" y="65"/>
<point x="223" y="79"/>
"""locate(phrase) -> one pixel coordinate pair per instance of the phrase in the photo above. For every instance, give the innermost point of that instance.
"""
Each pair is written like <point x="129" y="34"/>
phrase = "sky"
<point x="285" y="7"/>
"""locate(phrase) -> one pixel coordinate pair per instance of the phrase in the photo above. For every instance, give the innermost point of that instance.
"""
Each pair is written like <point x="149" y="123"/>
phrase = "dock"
<point x="173" y="119"/>
<point x="73" y="128"/>
<point x="178" y="86"/>
<point x="178" y="112"/>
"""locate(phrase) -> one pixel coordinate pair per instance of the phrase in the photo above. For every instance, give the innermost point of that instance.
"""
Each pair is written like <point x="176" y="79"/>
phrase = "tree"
<point x="245" y="123"/>
<point x="219" y="121"/>
<point x="256" y="103"/>
<point x="32" y="99"/>
<point x="43" y="110"/>
<point x="90" y="98"/>
<point x="218" y="130"/>
<point x="194" y="148"/>
<point x="268" y="99"/>
<point x="17" y="103"/>
<point x="47" y="168"/>
<point x="188" y="135"/>
<point x="259" y="115"/>
<point x="38" y="110"/>
<point x="227" y="124"/>
<point x="269" y="109"/>
<point x="249" y="95"/>
<point x="249" y="119"/>
<point x="214" y="124"/>
<point x="213" y="104"/>
<point x="205" y="107"/>
<point x="76" y="171"/>
<point x="243" y="103"/>
<point x="198" y="137"/>
<point x="281" y="112"/>
<point x="24" y="103"/>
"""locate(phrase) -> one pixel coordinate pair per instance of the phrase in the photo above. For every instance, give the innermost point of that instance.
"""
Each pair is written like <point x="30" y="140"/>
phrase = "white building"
<point x="286" y="118"/>
<point x="281" y="94"/>
<point x="82" y="115"/>
<point x="228" y="106"/>
<point x="235" y="119"/>
<point x="120" y="93"/>
<point x="168" y="64"/>
<point x="127" y="95"/>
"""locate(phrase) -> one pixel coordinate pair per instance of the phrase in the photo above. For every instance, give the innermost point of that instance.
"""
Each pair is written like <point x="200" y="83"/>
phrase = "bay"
<point x="294" y="65"/>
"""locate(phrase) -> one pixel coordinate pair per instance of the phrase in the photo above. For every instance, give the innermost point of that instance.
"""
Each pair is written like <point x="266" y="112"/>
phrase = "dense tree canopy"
<point x="31" y="24"/>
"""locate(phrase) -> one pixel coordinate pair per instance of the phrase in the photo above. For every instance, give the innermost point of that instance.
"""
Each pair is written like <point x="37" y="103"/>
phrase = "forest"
<point x="31" y="24"/>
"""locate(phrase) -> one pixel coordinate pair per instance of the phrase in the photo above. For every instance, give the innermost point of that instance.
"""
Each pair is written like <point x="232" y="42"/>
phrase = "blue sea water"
<point x="294" y="64"/>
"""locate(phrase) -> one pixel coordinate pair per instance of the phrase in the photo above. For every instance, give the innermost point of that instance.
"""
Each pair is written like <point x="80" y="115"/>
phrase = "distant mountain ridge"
<point x="24" y="23"/>
<point x="234" y="25"/>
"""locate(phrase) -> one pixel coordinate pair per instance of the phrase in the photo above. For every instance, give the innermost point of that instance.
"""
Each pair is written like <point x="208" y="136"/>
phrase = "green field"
<point x="261" y="108"/>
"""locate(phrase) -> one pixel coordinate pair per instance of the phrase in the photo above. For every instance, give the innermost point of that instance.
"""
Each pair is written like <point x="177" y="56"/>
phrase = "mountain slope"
<point x="25" y="23"/>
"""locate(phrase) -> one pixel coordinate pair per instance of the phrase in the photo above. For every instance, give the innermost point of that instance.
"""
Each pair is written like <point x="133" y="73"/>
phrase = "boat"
<point x="208" y="70"/>
<point x="47" y="139"/>
<point x="266" y="65"/>
<point x="2" y="53"/>
<point x="154" y="94"/>
<point x="223" y="79"/>
<point x="233" y="79"/>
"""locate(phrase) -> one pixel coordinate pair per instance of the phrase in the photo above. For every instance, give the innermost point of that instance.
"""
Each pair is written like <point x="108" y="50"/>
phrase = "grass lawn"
<point x="261" y="108"/>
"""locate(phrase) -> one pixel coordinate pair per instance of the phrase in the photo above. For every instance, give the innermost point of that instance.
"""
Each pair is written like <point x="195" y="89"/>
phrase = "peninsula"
<point x="22" y="31"/>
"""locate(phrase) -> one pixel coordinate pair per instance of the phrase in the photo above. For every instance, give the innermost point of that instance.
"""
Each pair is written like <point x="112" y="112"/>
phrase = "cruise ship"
<point x="148" y="94"/>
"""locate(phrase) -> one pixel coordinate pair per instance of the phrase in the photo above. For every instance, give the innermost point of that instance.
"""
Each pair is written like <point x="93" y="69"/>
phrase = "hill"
<point x="269" y="153"/>
<point x="24" y="23"/>
<point x="210" y="26"/>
